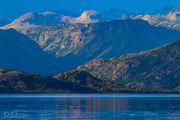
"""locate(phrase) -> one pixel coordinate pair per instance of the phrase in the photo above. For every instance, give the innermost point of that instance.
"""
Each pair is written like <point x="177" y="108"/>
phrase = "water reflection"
<point x="92" y="108"/>
<point x="86" y="108"/>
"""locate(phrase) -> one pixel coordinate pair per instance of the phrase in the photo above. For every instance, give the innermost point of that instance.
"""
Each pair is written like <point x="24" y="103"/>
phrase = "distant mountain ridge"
<point x="171" y="21"/>
<point x="34" y="19"/>
<point x="167" y="17"/>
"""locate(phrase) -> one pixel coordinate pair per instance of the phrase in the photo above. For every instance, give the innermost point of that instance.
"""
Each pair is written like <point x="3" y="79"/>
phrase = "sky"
<point x="11" y="9"/>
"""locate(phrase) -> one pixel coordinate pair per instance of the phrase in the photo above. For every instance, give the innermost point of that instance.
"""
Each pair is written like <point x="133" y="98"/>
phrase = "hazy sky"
<point x="10" y="9"/>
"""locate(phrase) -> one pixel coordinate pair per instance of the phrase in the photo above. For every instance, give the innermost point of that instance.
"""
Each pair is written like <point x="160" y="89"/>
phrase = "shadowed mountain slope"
<point x="19" y="52"/>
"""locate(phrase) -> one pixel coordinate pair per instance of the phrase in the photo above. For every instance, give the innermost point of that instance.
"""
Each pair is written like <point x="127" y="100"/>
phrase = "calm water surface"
<point x="90" y="107"/>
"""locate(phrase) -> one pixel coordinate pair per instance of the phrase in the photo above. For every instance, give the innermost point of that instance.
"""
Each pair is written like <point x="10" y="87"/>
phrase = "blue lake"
<point x="90" y="106"/>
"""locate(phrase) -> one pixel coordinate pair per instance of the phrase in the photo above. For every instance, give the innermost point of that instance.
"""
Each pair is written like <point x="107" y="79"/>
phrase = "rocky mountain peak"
<point x="88" y="13"/>
<point x="87" y="16"/>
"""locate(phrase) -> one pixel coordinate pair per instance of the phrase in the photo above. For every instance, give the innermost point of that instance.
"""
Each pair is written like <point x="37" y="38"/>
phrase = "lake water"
<point x="90" y="107"/>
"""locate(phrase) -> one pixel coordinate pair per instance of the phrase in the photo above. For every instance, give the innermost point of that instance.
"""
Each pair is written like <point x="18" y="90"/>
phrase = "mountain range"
<point x="98" y="40"/>
<point x="166" y="17"/>
<point x="156" y="70"/>
<point x="66" y="36"/>
<point x="35" y="19"/>
<point x="112" y="51"/>
<point x="170" y="20"/>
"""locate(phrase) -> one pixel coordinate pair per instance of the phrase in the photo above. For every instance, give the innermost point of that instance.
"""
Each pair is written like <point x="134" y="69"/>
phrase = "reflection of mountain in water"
<point x="93" y="107"/>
